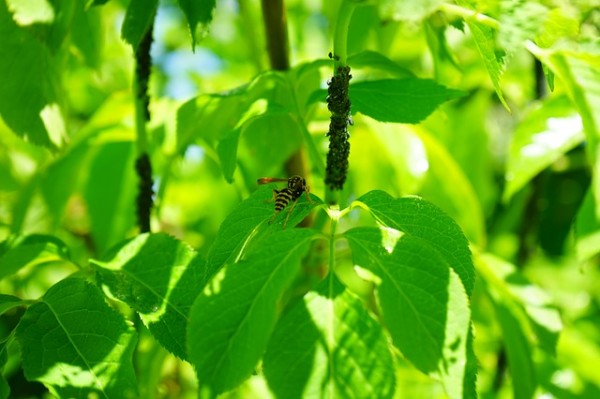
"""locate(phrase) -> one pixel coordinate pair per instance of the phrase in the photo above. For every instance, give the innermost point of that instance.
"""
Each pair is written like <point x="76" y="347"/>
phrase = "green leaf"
<point x="77" y="345"/>
<point x="4" y="387"/>
<point x="28" y="95"/>
<point x="518" y="353"/>
<point x="399" y="100"/>
<point x="30" y="251"/>
<point x="159" y="277"/>
<point x="8" y="302"/>
<point x="547" y="132"/>
<point x="110" y="193"/>
<point x="247" y="222"/>
<point x="531" y="304"/>
<point x="427" y="222"/>
<point x="485" y="40"/>
<point x="329" y="345"/>
<point x="232" y="320"/>
<point x="423" y="302"/>
<point x="374" y="60"/>
<point x="587" y="229"/>
<point x="197" y="12"/>
<point x="138" y="18"/>
<point x="227" y="151"/>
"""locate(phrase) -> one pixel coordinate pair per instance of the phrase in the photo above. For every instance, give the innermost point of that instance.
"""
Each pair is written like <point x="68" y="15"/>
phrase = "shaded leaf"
<point x="8" y="302"/>
<point x="375" y="60"/>
<point x="232" y="320"/>
<point x="328" y="345"/>
<point x="75" y="344"/>
<point x="197" y="12"/>
<point x="399" y="100"/>
<point x="424" y="220"/>
<point x="518" y="353"/>
<point x="32" y="250"/>
<point x="159" y="277"/>
<point x="110" y="193"/>
<point x="138" y="18"/>
<point x="423" y="303"/>
<point x="547" y="132"/>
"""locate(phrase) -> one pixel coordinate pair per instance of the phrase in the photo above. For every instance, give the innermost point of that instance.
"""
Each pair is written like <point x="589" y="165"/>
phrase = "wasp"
<point x="296" y="185"/>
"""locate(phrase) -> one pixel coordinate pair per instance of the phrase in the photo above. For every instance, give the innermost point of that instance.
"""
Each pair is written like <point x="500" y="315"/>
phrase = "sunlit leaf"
<point x="28" y="97"/>
<point x="329" y="345"/>
<point x="399" y="100"/>
<point x="408" y="9"/>
<point x="485" y="39"/>
<point x="519" y="20"/>
<point x="232" y="320"/>
<point x="579" y="70"/>
<point x="423" y="303"/>
<point x="424" y="220"/>
<point x="529" y="303"/>
<point x="75" y="344"/>
<point x="159" y="277"/>
<point x="547" y="132"/>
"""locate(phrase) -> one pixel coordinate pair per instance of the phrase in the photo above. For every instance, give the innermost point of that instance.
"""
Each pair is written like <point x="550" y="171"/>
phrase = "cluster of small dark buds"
<point x="338" y="103"/>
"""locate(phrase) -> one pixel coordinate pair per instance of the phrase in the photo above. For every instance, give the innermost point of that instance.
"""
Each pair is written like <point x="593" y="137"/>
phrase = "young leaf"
<point x="424" y="220"/>
<point x="329" y="345"/>
<point x="231" y="321"/>
<point x="32" y="250"/>
<point x="545" y="134"/>
<point x="159" y="277"/>
<point x="399" y="100"/>
<point x="519" y="21"/>
<point x="197" y="12"/>
<point x="423" y="303"/>
<point x="485" y="40"/>
<point x="138" y="18"/>
<point x="245" y="223"/>
<point x="77" y="345"/>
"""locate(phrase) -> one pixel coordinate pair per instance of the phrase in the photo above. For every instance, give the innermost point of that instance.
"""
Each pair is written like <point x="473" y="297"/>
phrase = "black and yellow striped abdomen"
<point x="283" y="198"/>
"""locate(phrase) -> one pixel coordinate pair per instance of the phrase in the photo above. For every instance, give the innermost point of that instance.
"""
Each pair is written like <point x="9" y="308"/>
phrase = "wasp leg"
<point x="307" y="192"/>
<point x="287" y="216"/>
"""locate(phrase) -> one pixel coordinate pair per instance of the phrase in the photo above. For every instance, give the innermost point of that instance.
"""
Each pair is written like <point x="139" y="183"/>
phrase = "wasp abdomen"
<point x="282" y="198"/>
